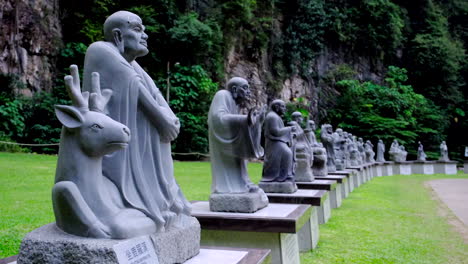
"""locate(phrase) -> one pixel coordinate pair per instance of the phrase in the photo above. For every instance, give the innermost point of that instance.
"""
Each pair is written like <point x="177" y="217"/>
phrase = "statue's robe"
<point x="232" y="141"/>
<point x="380" y="152"/>
<point x="278" y="164"/>
<point x="143" y="172"/>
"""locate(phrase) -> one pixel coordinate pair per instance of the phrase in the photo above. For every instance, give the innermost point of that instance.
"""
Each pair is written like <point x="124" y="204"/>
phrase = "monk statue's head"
<point x="240" y="90"/>
<point x="311" y="124"/>
<point x="297" y="116"/>
<point x="278" y="106"/>
<point x="126" y="31"/>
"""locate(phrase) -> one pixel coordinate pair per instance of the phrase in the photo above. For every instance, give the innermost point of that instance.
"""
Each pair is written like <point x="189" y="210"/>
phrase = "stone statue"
<point x="340" y="146"/>
<point x="394" y="150"/>
<point x="402" y="155"/>
<point x="319" y="165"/>
<point x="361" y="149"/>
<point x="444" y="152"/>
<point x="303" y="151"/>
<point x="234" y="138"/>
<point x="370" y="154"/>
<point x="143" y="172"/>
<point x="278" y="166"/>
<point x="328" y="142"/>
<point x="380" y="151"/>
<point x="85" y="202"/>
<point x="354" y="154"/>
<point x="421" y="155"/>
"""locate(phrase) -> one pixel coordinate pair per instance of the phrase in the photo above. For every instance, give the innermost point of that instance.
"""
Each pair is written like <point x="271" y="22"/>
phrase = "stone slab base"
<point x="422" y="168"/>
<point x="308" y="235"/>
<point x="284" y="246"/>
<point x="324" y="211"/>
<point x="278" y="187"/>
<point x="465" y="167"/>
<point x="238" y="202"/>
<point x="49" y="244"/>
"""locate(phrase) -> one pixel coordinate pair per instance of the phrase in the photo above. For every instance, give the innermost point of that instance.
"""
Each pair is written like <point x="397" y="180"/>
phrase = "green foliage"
<point x="299" y="104"/>
<point x="191" y="91"/>
<point x="388" y="111"/>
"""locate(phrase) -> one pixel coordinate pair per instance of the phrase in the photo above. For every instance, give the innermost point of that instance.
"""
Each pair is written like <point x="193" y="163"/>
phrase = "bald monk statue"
<point x="303" y="151"/>
<point x="233" y="139"/>
<point x="278" y="167"/>
<point x="143" y="172"/>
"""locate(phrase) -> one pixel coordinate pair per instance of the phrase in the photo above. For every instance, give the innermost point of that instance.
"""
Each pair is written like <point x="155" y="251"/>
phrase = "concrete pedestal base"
<point x="49" y="244"/>
<point x="402" y="168"/>
<point x="421" y="167"/>
<point x="211" y="255"/>
<point x="350" y="175"/>
<point x="275" y="227"/>
<point x="388" y="168"/>
<point x="359" y="175"/>
<point x="445" y="167"/>
<point x="341" y="180"/>
<point x="465" y="166"/>
<point x="333" y="187"/>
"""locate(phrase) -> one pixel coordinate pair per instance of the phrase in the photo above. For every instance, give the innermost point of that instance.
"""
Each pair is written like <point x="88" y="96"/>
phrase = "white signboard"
<point x="466" y="151"/>
<point x="138" y="250"/>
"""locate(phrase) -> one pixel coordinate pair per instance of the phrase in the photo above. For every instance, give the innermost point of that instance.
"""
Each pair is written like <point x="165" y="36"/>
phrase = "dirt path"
<point x="454" y="194"/>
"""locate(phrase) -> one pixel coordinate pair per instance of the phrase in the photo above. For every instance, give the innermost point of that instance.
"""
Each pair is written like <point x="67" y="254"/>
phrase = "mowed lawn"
<point x="387" y="220"/>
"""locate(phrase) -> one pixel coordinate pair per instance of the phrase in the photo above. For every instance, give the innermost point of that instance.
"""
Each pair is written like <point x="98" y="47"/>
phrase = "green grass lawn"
<point x="387" y="220"/>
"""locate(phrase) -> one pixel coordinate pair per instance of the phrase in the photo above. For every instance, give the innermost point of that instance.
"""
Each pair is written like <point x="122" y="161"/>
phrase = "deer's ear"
<point x="69" y="116"/>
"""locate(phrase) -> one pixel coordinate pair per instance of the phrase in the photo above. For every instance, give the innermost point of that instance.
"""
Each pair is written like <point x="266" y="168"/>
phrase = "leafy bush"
<point x="388" y="111"/>
<point x="191" y="91"/>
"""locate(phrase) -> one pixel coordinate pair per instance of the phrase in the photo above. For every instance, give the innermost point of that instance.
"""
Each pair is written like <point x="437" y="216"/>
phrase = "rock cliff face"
<point x="30" y="41"/>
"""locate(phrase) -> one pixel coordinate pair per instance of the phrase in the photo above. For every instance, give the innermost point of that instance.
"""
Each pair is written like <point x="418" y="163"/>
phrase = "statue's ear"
<point x="69" y="116"/>
<point x="118" y="40"/>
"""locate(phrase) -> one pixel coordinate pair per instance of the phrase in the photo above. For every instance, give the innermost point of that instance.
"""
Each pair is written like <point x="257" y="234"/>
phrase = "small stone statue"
<point x="421" y="155"/>
<point x="362" y="151"/>
<point x="234" y="138"/>
<point x="319" y="166"/>
<point x="380" y="151"/>
<point x="85" y="202"/>
<point x="370" y="154"/>
<point x="303" y="151"/>
<point x="402" y="155"/>
<point x="354" y="154"/>
<point x="278" y="166"/>
<point x="340" y="146"/>
<point x="328" y="142"/>
<point x="444" y="152"/>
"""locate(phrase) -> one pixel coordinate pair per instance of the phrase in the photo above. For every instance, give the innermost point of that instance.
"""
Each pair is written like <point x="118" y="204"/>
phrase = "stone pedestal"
<point x="332" y="187"/>
<point x="402" y="168"/>
<point x="320" y="202"/>
<point x="238" y="202"/>
<point x="465" y="166"/>
<point x="445" y="167"/>
<point x="341" y="179"/>
<point x="359" y="175"/>
<point x="211" y="255"/>
<point x="278" y="187"/>
<point x="274" y="227"/>
<point x="379" y="169"/>
<point x="49" y="244"/>
<point x="387" y="169"/>
<point x="351" y="175"/>
<point x="317" y="198"/>
<point x="422" y="167"/>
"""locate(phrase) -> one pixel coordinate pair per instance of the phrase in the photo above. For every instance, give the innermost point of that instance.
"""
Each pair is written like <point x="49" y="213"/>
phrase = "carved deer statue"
<point x="85" y="202"/>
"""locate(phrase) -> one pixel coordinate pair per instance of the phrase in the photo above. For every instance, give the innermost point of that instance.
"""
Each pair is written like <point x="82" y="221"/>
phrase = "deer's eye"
<point x="96" y="126"/>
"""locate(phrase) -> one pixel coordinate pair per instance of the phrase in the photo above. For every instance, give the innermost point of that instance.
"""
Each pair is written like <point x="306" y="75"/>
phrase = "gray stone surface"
<point x="238" y="202"/>
<point x="278" y="187"/>
<point x="49" y="244"/>
<point x="304" y="155"/>
<point x="454" y="193"/>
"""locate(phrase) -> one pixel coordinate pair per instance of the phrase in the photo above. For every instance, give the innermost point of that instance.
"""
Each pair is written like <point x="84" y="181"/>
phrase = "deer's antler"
<point x="72" y="83"/>
<point x="98" y="100"/>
